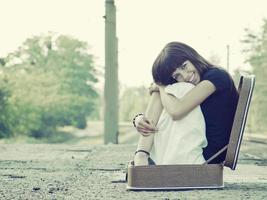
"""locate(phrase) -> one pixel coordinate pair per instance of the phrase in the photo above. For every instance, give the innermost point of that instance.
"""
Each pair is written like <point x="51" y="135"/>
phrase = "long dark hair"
<point x="173" y="55"/>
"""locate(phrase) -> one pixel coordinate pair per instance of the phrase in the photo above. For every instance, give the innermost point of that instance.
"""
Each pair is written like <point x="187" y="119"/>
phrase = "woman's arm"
<point x="147" y="124"/>
<point x="178" y="108"/>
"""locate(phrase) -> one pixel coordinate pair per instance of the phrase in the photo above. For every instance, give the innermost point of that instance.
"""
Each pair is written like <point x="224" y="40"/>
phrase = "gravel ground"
<point x="42" y="171"/>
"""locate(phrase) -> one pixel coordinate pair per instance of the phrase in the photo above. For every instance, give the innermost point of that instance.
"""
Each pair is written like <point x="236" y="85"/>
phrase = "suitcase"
<point x="172" y="177"/>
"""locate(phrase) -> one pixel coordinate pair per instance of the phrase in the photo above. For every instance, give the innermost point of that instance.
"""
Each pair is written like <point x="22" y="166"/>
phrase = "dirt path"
<point x="31" y="171"/>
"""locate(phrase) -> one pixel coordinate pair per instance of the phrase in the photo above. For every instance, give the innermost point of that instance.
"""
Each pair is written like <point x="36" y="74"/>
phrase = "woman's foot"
<point x="141" y="158"/>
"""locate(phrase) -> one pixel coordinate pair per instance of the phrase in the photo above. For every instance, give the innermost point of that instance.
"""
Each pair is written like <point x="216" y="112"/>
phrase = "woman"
<point x="214" y="92"/>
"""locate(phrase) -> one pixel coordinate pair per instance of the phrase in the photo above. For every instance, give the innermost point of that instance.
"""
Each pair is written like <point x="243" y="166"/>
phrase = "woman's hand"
<point x="153" y="88"/>
<point x="144" y="126"/>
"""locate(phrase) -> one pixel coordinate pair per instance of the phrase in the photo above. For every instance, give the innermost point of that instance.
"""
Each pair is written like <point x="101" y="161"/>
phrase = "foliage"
<point x="133" y="100"/>
<point x="256" y="51"/>
<point x="50" y="80"/>
<point x="4" y="110"/>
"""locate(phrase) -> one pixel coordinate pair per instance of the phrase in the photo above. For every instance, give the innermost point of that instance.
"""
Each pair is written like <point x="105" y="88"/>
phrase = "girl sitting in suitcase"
<point x="190" y="114"/>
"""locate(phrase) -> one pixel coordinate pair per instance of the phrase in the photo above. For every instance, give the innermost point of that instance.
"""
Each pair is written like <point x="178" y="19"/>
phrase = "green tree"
<point x="256" y="51"/>
<point x="133" y="100"/>
<point x="4" y="109"/>
<point x="51" y="78"/>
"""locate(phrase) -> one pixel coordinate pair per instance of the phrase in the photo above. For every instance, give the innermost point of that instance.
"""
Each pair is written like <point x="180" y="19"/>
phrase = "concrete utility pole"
<point x="111" y="75"/>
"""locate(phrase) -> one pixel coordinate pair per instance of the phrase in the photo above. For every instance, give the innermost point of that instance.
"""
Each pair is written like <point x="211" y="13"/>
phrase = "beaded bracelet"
<point x="135" y="118"/>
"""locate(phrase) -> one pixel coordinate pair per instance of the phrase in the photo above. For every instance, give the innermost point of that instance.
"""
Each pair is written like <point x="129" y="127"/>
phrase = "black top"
<point x="219" y="110"/>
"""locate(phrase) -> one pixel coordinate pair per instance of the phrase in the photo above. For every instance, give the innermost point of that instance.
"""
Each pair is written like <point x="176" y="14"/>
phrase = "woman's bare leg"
<point x="152" y="113"/>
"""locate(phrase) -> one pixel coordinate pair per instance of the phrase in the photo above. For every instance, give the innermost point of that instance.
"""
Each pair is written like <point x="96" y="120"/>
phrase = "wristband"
<point x="135" y="118"/>
<point x="153" y="91"/>
<point x="147" y="153"/>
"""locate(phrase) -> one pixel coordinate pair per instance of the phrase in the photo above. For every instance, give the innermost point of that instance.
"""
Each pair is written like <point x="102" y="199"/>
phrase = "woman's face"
<point x="186" y="73"/>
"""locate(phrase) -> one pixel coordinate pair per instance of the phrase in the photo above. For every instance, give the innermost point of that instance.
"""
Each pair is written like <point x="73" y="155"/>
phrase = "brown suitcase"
<point x="170" y="177"/>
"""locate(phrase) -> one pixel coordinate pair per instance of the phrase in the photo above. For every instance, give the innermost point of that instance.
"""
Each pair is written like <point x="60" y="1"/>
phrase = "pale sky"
<point x="143" y="28"/>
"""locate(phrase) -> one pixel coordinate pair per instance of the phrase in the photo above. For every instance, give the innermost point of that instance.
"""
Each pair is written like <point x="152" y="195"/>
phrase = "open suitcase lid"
<point x="245" y="89"/>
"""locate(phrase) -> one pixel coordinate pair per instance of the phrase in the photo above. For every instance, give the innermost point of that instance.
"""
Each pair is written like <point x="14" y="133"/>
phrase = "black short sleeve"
<point x="219" y="78"/>
<point x="219" y="110"/>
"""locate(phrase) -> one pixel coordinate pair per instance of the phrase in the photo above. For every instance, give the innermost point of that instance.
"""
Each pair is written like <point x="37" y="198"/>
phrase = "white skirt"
<point x="180" y="141"/>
